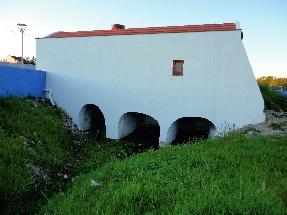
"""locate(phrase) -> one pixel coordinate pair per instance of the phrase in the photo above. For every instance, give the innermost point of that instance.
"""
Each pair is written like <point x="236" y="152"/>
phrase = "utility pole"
<point x="22" y="28"/>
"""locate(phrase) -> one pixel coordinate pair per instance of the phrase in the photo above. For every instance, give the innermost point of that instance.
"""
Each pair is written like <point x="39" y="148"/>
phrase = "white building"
<point x="184" y="79"/>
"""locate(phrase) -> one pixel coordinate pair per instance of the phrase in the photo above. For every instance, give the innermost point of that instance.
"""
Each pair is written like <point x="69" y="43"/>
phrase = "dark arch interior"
<point x="139" y="128"/>
<point x="190" y="128"/>
<point x="92" y="120"/>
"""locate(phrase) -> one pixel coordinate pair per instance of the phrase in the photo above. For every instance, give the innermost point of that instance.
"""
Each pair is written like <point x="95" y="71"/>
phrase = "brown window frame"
<point x="174" y="70"/>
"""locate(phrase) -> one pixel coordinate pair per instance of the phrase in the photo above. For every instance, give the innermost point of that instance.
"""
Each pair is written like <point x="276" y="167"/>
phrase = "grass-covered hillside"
<point x="39" y="156"/>
<point x="46" y="168"/>
<point x="32" y="141"/>
<point x="232" y="175"/>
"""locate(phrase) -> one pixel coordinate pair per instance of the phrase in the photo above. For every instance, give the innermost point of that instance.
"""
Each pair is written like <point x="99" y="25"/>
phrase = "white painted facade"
<point x="133" y="73"/>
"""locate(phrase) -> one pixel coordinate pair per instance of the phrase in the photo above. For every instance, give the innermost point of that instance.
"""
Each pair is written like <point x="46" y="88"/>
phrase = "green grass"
<point x="95" y="153"/>
<point x="37" y="126"/>
<point x="233" y="175"/>
<point x="15" y="176"/>
<point x="33" y="140"/>
<point x="273" y="100"/>
<point x="31" y="135"/>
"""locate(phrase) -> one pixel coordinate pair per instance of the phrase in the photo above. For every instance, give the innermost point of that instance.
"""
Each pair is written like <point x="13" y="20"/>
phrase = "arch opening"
<point x="92" y="120"/>
<point x="141" y="129"/>
<point x="188" y="129"/>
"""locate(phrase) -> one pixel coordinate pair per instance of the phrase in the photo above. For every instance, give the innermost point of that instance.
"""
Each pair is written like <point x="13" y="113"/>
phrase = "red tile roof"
<point x="17" y="58"/>
<point x="149" y="30"/>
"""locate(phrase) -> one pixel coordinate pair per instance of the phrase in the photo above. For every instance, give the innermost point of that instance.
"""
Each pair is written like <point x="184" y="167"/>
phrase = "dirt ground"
<point x="275" y="125"/>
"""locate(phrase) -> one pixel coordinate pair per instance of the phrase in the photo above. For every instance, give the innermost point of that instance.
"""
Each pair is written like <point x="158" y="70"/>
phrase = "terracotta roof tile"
<point x="17" y="58"/>
<point x="148" y="30"/>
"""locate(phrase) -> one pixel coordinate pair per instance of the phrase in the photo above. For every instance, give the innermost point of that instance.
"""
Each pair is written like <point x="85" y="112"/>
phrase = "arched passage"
<point x="139" y="128"/>
<point x="188" y="128"/>
<point x="92" y="120"/>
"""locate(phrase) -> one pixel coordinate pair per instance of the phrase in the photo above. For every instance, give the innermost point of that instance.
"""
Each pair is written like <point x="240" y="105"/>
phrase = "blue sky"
<point x="264" y="22"/>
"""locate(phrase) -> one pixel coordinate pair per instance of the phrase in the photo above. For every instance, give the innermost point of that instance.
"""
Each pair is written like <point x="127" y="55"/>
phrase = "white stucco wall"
<point x="133" y="73"/>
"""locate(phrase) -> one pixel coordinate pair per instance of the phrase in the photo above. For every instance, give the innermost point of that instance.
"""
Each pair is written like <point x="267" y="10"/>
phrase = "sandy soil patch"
<point x="275" y="124"/>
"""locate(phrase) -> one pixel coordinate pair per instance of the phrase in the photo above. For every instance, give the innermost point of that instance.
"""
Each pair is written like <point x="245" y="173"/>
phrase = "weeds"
<point x="278" y="126"/>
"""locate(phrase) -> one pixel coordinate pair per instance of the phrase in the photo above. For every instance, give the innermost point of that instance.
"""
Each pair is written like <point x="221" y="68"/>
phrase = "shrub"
<point x="273" y="100"/>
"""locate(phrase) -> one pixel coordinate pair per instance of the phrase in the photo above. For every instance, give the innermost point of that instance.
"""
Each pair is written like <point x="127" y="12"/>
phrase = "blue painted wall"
<point x="21" y="82"/>
<point x="283" y="92"/>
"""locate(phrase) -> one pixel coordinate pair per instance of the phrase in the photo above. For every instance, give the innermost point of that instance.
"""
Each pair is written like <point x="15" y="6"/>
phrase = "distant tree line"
<point x="273" y="100"/>
<point x="272" y="81"/>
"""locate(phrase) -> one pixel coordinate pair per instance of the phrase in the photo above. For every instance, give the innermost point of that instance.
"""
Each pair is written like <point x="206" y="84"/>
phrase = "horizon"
<point x="262" y="22"/>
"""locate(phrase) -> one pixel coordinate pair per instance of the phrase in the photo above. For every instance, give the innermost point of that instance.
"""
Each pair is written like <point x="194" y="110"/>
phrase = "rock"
<point x="95" y="184"/>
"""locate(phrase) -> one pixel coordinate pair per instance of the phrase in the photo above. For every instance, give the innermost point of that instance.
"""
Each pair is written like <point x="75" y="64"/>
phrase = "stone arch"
<point x="188" y="128"/>
<point x="92" y="120"/>
<point x="139" y="128"/>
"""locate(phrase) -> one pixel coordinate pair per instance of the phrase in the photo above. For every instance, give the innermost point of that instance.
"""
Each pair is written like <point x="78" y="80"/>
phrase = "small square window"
<point x="177" y="69"/>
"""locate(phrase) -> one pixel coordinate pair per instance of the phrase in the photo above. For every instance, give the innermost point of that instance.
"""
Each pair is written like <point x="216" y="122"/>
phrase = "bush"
<point x="273" y="100"/>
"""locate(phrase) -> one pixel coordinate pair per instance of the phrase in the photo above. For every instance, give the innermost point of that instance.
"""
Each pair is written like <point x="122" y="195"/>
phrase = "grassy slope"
<point x="15" y="176"/>
<point x="234" y="174"/>
<point x="95" y="153"/>
<point x="32" y="134"/>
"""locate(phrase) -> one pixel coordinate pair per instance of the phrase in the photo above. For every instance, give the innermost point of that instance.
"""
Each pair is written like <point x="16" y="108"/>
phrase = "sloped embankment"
<point x="33" y="144"/>
<point x="40" y="154"/>
<point x="47" y="168"/>
<point x="233" y="175"/>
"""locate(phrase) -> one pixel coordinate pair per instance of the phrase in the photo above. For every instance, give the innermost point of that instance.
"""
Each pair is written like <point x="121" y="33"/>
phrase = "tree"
<point x="28" y="60"/>
<point x="272" y="81"/>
